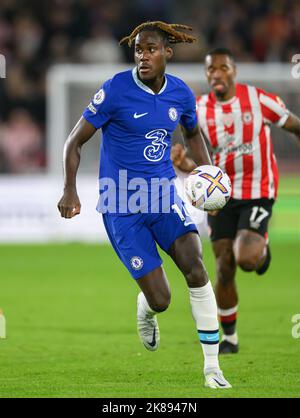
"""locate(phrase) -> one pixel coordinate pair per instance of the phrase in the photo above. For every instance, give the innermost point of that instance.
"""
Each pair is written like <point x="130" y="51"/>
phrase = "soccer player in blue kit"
<point x="138" y="111"/>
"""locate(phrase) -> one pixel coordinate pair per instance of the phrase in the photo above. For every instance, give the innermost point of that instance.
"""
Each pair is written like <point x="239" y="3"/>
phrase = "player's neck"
<point x="231" y="93"/>
<point x="155" y="84"/>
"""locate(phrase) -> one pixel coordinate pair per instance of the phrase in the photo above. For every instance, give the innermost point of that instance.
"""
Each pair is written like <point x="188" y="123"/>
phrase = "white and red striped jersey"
<point x="239" y="133"/>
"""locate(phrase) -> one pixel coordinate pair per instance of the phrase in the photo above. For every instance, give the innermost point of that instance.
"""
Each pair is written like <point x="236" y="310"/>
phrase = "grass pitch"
<point x="71" y="324"/>
<point x="70" y="313"/>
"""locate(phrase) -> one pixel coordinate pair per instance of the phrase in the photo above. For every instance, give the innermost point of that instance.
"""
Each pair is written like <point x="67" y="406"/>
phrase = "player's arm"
<point x="181" y="160"/>
<point x="293" y="125"/>
<point x="69" y="205"/>
<point x="193" y="138"/>
<point x="196" y="146"/>
<point x="275" y="111"/>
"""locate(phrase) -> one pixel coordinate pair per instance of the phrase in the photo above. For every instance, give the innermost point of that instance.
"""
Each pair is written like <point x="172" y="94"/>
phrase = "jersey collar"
<point x="143" y="86"/>
<point x="230" y="101"/>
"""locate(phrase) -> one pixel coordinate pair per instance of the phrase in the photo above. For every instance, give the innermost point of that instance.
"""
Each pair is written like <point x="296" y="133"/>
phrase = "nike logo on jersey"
<point x="136" y="116"/>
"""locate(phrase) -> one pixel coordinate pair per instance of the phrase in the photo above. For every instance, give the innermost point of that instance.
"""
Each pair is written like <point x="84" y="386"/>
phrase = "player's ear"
<point x="169" y="53"/>
<point x="234" y="70"/>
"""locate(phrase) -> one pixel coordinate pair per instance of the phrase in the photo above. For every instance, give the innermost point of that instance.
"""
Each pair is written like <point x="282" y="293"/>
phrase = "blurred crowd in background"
<point x="35" y="35"/>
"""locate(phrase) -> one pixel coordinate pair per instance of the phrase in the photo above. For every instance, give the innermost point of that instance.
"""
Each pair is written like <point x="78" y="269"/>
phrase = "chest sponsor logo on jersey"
<point x="247" y="118"/>
<point x="173" y="115"/>
<point x="242" y="149"/>
<point x="156" y="150"/>
<point x="99" y="97"/>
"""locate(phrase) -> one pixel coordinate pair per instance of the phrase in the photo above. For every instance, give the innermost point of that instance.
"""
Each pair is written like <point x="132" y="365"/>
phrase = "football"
<point x="208" y="188"/>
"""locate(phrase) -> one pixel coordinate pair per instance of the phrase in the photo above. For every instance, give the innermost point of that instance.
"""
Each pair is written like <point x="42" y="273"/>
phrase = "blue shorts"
<point x="134" y="237"/>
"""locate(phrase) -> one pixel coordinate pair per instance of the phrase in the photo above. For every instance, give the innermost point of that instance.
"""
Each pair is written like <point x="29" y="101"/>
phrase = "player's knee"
<point x="160" y="303"/>
<point x="247" y="262"/>
<point x="248" y="250"/>
<point x="196" y="276"/>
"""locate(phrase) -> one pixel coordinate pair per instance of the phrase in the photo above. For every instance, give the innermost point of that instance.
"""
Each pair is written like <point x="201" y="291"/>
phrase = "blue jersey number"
<point x="156" y="150"/>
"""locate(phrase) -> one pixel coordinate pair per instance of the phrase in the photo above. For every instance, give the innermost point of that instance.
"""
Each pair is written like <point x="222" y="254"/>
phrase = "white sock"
<point x="144" y="305"/>
<point x="228" y="322"/>
<point x="233" y="339"/>
<point x="205" y="314"/>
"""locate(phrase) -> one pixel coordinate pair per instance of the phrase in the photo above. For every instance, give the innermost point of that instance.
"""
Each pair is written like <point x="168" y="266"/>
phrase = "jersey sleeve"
<point x="273" y="108"/>
<point x="189" y="116"/>
<point x="100" y="109"/>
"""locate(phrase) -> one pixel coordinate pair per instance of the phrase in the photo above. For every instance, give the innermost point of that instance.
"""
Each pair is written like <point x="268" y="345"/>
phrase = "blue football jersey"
<point x="137" y="126"/>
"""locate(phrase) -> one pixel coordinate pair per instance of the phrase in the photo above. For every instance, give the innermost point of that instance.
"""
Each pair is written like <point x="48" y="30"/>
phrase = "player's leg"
<point x="185" y="251"/>
<point x="251" y="247"/>
<point x="225" y="287"/>
<point x="177" y="235"/>
<point x="156" y="289"/>
<point x="135" y="246"/>
<point x="226" y="294"/>
<point x="223" y="229"/>
<point x="155" y="297"/>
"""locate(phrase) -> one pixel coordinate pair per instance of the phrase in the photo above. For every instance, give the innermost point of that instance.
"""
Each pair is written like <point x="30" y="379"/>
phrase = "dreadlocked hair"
<point x="169" y="31"/>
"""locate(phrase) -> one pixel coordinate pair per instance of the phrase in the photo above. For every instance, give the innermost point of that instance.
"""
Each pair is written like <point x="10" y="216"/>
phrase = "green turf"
<point x="285" y="222"/>
<point x="70" y="313"/>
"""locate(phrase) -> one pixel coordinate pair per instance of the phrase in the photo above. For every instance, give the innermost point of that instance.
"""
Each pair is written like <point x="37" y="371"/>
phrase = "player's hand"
<point x="177" y="154"/>
<point x="69" y="205"/>
<point x="180" y="159"/>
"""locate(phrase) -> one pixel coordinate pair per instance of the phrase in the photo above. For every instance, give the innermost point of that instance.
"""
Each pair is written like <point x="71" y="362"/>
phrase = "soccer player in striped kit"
<point x="236" y="119"/>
